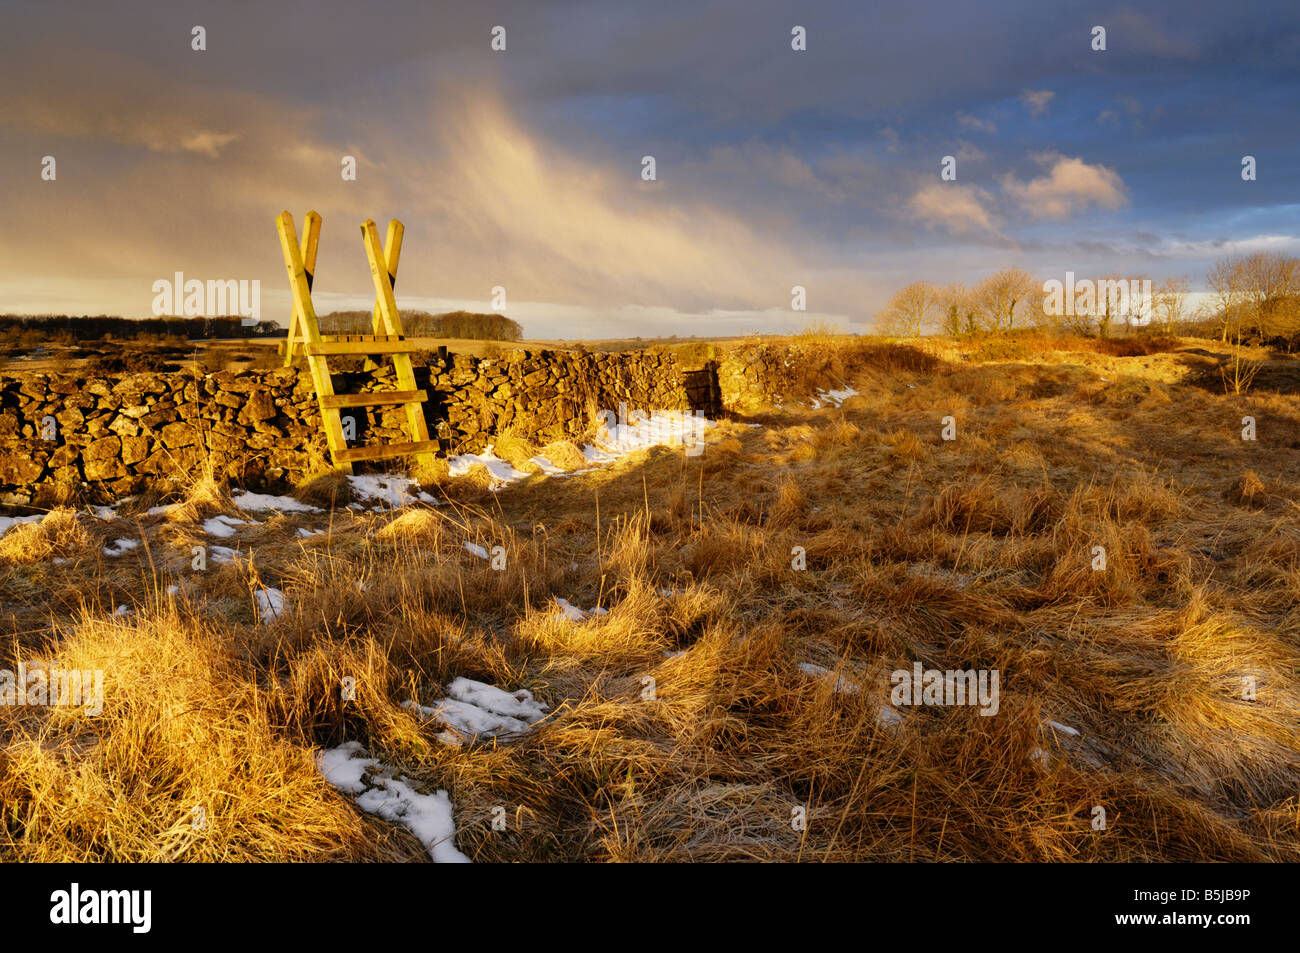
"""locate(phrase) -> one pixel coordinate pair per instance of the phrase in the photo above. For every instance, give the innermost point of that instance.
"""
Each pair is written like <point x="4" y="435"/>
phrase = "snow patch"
<point x="474" y="710"/>
<point x="1064" y="729"/>
<point x="225" y="526"/>
<point x="842" y="684"/>
<point x="9" y="522"/>
<point x="254" y="502"/>
<point x="574" y="614"/>
<point x="476" y="549"/>
<point x="501" y="471"/>
<point x="833" y="398"/>
<point x="270" y="603"/>
<point x="427" y="816"/>
<point x="121" y="546"/>
<point x="391" y="490"/>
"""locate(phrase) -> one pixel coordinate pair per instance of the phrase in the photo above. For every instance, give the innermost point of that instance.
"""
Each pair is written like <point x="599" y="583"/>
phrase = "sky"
<point x="523" y="168"/>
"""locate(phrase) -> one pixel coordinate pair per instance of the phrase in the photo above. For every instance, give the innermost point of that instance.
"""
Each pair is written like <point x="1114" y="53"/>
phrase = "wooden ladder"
<point x="387" y="338"/>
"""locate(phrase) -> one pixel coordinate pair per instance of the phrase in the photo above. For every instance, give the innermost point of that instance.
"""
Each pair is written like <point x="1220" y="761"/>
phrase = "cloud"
<point x="1036" y="100"/>
<point x="1070" y="186"/>
<point x="974" y="122"/>
<point x="1223" y="247"/>
<point x="208" y="143"/>
<point x="958" y="208"/>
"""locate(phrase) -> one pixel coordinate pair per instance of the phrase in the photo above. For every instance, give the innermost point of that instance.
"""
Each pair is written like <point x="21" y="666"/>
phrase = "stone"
<point x="101" y="460"/>
<point x="259" y="406"/>
<point x="124" y="426"/>
<point x="134" y="449"/>
<point x="178" y="434"/>
<point x="19" y="467"/>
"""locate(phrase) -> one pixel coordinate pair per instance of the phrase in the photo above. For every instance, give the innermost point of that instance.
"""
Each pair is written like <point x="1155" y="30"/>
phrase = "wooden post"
<point x="310" y="242"/>
<point x="301" y="289"/>
<point x="392" y="323"/>
<point x="392" y="254"/>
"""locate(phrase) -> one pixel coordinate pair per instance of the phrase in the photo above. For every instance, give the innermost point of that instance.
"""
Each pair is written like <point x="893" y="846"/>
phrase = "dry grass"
<point x="60" y="535"/>
<point x="1178" y="663"/>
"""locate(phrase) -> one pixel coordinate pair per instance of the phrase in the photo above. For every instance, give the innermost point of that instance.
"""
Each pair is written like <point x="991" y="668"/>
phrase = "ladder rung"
<point x="380" y="451"/>
<point x="374" y="399"/>
<point x="334" y="338"/>
<point x="392" y="346"/>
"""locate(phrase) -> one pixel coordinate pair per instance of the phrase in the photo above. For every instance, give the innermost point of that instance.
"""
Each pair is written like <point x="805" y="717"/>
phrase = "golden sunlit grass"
<point x="59" y="535"/>
<point x="696" y="718"/>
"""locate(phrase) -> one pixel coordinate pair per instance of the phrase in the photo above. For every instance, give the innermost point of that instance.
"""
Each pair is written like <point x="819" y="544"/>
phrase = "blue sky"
<point x="522" y="168"/>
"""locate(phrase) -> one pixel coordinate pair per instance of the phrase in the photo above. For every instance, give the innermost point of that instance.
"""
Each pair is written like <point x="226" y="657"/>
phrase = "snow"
<point x="476" y="710"/>
<point x="104" y="512"/>
<point x="162" y="510"/>
<point x="842" y="684"/>
<point x="270" y="603"/>
<point x="520" y="703"/>
<point x="1064" y="729"/>
<point x="343" y="767"/>
<point x="574" y="614"/>
<point x="476" y="549"/>
<point x="570" y="612"/>
<point x="833" y="398"/>
<point x="9" y="522"/>
<point x="307" y="533"/>
<point x="428" y="816"/>
<point x="122" y="611"/>
<point x="224" y="526"/>
<point x="222" y="554"/>
<point x="547" y="467"/>
<point x="662" y="428"/>
<point x="468" y="720"/>
<point x="253" y="502"/>
<point x="121" y="546"/>
<point x="501" y="471"/>
<point x="389" y="489"/>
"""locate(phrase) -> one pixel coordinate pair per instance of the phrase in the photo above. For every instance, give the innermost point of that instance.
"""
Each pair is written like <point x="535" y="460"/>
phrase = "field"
<point x="735" y="701"/>
<point x="37" y="353"/>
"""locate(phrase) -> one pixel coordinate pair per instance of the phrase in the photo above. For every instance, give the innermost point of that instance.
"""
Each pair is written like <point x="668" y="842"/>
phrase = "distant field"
<point x="234" y="354"/>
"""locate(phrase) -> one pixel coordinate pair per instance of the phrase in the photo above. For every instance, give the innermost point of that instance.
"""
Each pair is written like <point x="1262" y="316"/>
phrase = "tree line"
<point x="103" y="326"/>
<point x="1255" y="295"/>
<point x="452" y="324"/>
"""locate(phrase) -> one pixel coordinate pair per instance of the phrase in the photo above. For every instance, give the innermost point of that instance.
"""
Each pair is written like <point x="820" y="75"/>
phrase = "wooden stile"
<point x="388" y="338"/>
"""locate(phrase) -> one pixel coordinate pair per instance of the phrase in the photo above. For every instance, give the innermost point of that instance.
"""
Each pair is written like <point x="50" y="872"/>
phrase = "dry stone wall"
<point x="101" y="438"/>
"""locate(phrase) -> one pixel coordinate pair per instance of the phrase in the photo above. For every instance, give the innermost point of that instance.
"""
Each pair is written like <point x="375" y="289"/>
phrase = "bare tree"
<point x="1268" y="280"/>
<point x="909" y="309"/>
<point x="1227" y="280"/>
<point x="956" y="310"/>
<point x="1003" y="298"/>
<point x="1171" y="303"/>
